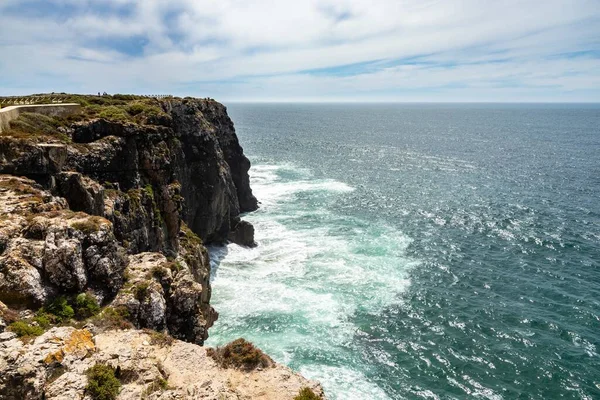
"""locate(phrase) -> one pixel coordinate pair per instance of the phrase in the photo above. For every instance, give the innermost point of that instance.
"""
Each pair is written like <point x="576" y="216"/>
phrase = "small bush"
<point x="140" y="107"/>
<point x="174" y="266"/>
<point x="45" y="320"/>
<point x="240" y="354"/>
<point x="89" y="225"/>
<point x="113" y="318"/>
<point x="159" y="272"/>
<point x="24" y="330"/>
<point x="160" y="339"/>
<point x="307" y="394"/>
<point x="141" y="291"/>
<point x="60" y="308"/>
<point x="102" y="383"/>
<point x="114" y="113"/>
<point x="86" y="306"/>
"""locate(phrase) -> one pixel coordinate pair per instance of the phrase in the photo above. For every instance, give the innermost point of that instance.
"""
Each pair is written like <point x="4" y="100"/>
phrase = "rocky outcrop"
<point x="54" y="366"/>
<point x="170" y="296"/>
<point x="102" y="188"/>
<point x="190" y="145"/>
<point x="117" y="212"/>
<point x="47" y="249"/>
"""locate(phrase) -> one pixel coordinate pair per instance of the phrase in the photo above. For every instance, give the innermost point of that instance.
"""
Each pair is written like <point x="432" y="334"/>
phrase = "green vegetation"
<point x="114" y="113"/>
<point x="149" y="190"/>
<point x="307" y="394"/>
<point x="86" y="306"/>
<point x="33" y="125"/>
<point x="44" y="320"/>
<point x="141" y="291"/>
<point x="117" y="108"/>
<point x="17" y="186"/>
<point x="59" y="309"/>
<point x="159" y="272"/>
<point x="112" y="318"/>
<point x="174" y="266"/>
<point x="25" y="330"/>
<point x="159" y="338"/>
<point x="102" y="383"/>
<point x="239" y="354"/>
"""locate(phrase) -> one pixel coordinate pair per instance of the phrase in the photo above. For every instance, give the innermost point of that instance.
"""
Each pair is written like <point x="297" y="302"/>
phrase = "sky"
<point x="305" y="50"/>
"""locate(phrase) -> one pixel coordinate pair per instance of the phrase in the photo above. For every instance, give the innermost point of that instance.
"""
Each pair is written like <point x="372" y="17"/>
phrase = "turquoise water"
<point x="421" y="251"/>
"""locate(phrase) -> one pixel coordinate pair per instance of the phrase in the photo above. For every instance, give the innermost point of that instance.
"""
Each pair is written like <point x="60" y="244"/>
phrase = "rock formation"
<point x="101" y="188"/>
<point x="149" y="367"/>
<point x="116" y="204"/>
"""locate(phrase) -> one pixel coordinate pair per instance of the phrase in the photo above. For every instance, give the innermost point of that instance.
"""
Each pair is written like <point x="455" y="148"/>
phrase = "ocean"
<point x="421" y="251"/>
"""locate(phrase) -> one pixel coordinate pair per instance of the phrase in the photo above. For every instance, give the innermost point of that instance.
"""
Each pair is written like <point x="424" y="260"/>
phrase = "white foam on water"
<point x="299" y="289"/>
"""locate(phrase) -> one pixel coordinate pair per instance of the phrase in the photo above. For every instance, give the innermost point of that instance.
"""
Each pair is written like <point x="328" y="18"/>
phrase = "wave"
<point x="297" y="294"/>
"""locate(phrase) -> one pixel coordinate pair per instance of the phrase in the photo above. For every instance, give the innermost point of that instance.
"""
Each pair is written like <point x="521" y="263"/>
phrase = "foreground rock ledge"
<point x="53" y="367"/>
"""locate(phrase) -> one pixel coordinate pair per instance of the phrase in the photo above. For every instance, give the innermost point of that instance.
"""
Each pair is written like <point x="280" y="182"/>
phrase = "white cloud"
<point x="235" y="49"/>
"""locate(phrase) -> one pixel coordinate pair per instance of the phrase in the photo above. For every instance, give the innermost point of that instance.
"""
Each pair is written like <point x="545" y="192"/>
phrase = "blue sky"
<point x="329" y="50"/>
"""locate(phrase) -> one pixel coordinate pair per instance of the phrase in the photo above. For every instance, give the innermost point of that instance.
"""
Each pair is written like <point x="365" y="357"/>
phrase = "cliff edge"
<point x="104" y="215"/>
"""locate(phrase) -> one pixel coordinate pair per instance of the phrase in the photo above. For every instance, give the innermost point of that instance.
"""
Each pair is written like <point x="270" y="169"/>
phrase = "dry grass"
<point x="240" y="354"/>
<point x="17" y="186"/>
<point x="117" y="108"/>
<point x="89" y="225"/>
<point x="307" y="394"/>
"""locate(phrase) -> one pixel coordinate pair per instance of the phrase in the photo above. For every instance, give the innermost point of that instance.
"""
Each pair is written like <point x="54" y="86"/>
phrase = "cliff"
<point x="107" y="212"/>
<point x="147" y="366"/>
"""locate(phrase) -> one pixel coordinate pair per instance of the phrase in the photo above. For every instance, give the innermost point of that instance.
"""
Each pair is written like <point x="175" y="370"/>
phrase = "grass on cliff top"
<point x="116" y="108"/>
<point x="240" y="354"/>
<point x="37" y="126"/>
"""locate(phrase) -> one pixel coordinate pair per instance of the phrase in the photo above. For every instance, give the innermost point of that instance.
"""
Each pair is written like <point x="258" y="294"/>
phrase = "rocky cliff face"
<point x="100" y="191"/>
<point x="103" y="224"/>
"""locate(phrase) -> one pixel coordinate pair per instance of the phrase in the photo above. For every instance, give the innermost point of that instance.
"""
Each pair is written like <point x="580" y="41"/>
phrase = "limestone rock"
<point x="47" y="249"/>
<point x="54" y="365"/>
<point x="81" y="192"/>
<point x="163" y="295"/>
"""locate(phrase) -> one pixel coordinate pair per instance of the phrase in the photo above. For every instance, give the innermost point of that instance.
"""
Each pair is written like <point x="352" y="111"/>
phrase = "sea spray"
<point x="296" y="294"/>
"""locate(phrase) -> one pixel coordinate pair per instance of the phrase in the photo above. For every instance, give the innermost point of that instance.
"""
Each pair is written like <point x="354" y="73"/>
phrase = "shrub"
<point x="86" y="306"/>
<point x="88" y="225"/>
<point x="114" y="113"/>
<point x="140" y="107"/>
<point x="32" y="125"/>
<point x="240" y="354"/>
<point x="141" y="291"/>
<point x="60" y="308"/>
<point x="159" y="272"/>
<point x="45" y="320"/>
<point x="160" y="339"/>
<point x="307" y="394"/>
<point x="102" y="383"/>
<point x="113" y="318"/>
<point x="174" y="266"/>
<point x="24" y="330"/>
